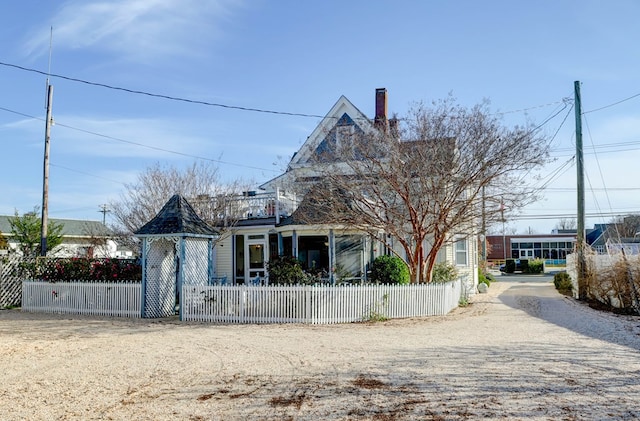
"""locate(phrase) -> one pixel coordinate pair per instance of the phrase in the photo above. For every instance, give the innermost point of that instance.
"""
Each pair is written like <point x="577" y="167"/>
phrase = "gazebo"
<point x="177" y="250"/>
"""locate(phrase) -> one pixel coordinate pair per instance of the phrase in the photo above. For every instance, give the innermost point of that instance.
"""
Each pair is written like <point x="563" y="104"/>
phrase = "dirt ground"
<point x="522" y="351"/>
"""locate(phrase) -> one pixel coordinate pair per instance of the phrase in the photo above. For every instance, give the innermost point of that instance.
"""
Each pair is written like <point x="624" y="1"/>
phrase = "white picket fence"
<point x="90" y="298"/>
<point x="316" y="304"/>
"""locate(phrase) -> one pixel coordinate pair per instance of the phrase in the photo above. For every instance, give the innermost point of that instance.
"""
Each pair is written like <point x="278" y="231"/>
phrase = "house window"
<point x="461" y="252"/>
<point x="344" y="141"/>
<point x="349" y="256"/>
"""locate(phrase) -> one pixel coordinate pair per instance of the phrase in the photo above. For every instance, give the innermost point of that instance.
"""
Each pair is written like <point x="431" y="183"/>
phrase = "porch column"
<point x="277" y="211"/>
<point x="143" y="286"/>
<point x="179" y="282"/>
<point x="294" y="244"/>
<point x="332" y="257"/>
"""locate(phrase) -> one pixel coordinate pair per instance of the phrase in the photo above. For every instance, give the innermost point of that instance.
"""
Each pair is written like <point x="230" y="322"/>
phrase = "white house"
<point x="269" y="226"/>
<point x="80" y="238"/>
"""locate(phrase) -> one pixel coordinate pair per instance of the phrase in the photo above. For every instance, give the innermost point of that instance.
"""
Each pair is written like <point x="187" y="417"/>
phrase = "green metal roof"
<point x="71" y="227"/>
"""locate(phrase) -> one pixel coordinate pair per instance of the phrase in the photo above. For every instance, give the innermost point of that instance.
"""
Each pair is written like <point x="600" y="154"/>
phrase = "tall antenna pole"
<point x="45" y="173"/>
<point x="45" y="178"/>
<point x="580" y="241"/>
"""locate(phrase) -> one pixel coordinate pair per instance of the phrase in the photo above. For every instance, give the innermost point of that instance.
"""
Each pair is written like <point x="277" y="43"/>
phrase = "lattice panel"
<point x="196" y="261"/>
<point x="160" y="282"/>
<point x="11" y="280"/>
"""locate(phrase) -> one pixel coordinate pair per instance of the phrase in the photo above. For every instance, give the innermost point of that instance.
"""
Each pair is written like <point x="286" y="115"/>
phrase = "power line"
<point x="168" y="97"/>
<point x="572" y="189"/>
<point x="164" y="150"/>
<point x="235" y="107"/>
<point x="556" y="174"/>
<point x="522" y="110"/>
<point x="612" y="104"/>
<point x="604" y="146"/>
<point x="88" y="174"/>
<point x="141" y="144"/>
<point x="573" y="214"/>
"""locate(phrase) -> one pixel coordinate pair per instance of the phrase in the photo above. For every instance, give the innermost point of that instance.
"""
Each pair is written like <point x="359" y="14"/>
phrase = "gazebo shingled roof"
<point x="176" y="217"/>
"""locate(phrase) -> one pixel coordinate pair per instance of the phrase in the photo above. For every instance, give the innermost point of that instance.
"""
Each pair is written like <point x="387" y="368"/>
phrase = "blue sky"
<point x="299" y="57"/>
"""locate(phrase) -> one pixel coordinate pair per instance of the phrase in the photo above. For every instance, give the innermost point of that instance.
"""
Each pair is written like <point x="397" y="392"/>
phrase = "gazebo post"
<point x="332" y="257"/>
<point x="143" y="289"/>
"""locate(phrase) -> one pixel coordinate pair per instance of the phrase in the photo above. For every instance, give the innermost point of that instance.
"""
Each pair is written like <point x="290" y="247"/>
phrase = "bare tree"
<point x="423" y="181"/>
<point x="97" y="239"/>
<point x="498" y="229"/>
<point x="625" y="227"/>
<point x="199" y="183"/>
<point x="567" y="224"/>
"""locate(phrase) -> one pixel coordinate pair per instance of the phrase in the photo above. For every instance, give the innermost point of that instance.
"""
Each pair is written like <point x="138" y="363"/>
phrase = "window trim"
<point x="464" y="250"/>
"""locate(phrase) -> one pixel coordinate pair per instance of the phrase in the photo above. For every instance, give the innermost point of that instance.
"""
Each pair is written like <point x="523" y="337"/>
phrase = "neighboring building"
<point x="551" y="247"/>
<point x="605" y="238"/>
<point x="554" y="247"/>
<point x="80" y="238"/>
<point x="270" y="226"/>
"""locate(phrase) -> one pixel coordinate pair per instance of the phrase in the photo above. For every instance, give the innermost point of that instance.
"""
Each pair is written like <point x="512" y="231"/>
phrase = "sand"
<point x="522" y="351"/>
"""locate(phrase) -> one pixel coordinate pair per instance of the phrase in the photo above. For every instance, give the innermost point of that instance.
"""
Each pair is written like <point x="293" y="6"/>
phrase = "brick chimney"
<point x="381" y="109"/>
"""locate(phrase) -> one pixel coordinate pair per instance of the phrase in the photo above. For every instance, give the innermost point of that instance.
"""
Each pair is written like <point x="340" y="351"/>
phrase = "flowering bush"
<point x="85" y="269"/>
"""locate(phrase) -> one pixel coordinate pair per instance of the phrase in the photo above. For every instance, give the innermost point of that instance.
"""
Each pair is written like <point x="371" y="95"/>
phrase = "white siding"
<point x="224" y="258"/>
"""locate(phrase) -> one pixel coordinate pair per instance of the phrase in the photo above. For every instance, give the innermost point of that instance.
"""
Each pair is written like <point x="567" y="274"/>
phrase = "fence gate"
<point x="160" y="277"/>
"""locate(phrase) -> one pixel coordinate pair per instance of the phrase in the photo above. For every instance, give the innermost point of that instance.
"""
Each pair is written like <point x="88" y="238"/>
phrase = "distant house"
<point x="605" y="238"/>
<point x="269" y="225"/>
<point x="80" y="238"/>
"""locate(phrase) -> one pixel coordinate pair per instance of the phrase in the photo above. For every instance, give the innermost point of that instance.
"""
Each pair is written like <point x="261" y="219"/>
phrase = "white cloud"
<point x="140" y="29"/>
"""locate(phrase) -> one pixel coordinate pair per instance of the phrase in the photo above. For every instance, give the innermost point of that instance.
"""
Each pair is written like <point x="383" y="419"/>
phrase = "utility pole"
<point x="484" y="229"/>
<point x="580" y="240"/>
<point x="45" y="177"/>
<point x="104" y="210"/>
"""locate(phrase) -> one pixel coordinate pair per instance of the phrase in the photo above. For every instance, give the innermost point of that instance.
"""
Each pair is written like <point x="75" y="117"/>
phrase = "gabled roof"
<point x="70" y="227"/>
<point x="176" y="217"/>
<point x="343" y="113"/>
<point x="318" y="207"/>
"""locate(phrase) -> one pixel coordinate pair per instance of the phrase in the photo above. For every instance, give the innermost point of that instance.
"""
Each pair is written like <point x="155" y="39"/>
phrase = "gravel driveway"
<point x="522" y="351"/>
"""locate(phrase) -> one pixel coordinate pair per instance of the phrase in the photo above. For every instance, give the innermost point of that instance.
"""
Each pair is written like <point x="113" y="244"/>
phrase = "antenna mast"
<point x="45" y="172"/>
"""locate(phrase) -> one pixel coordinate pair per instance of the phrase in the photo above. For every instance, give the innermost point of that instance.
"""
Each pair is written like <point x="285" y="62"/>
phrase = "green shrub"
<point x="389" y="269"/>
<point x="444" y="272"/>
<point x="483" y="278"/>
<point x="562" y="281"/>
<point x="286" y="270"/>
<point x="534" y="266"/>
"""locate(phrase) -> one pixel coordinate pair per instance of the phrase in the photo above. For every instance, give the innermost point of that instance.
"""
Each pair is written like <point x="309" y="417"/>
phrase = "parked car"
<point x="503" y="266"/>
